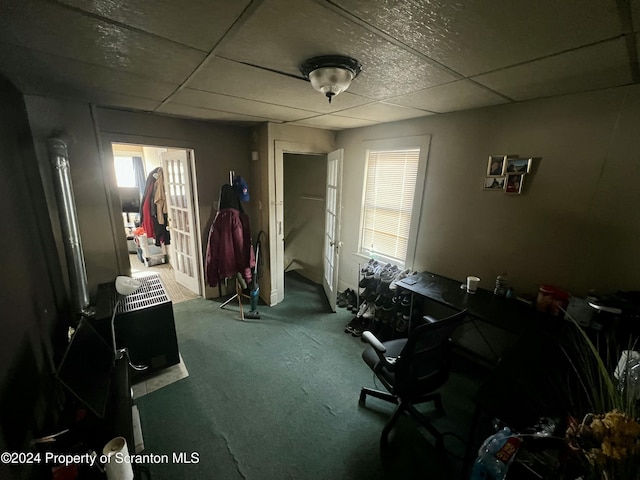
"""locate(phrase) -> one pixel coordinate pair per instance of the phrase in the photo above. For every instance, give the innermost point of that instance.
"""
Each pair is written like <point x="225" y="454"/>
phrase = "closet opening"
<point x="304" y="185"/>
<point x="155" y="185"/>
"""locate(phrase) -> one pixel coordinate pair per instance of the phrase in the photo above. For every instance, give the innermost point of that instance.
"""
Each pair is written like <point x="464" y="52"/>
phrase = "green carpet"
<point x="277" y="398"/>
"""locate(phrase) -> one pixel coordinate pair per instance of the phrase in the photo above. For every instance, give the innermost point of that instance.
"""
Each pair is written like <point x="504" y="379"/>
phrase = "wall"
<point x="218" y="149"/>
<point x="305" y="178"/>
<point x="152" y="158"/>
<point x="95" y="221"/>
<point x="33" y="300"/>
<point x="575" y="225"/>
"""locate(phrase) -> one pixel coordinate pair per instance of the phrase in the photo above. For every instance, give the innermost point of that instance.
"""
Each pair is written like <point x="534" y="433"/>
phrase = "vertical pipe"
<point x="59" y="158"/>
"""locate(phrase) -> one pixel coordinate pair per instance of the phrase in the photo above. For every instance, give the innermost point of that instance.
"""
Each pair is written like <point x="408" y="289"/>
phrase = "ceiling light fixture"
<point x="330" y="74"/>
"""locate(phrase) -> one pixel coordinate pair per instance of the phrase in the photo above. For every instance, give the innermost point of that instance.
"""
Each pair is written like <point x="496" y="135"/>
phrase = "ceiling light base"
<point x="330" y="74"/>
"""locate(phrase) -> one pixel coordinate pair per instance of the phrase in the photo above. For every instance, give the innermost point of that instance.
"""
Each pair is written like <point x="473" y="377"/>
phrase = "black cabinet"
<point x="144" y="323"/>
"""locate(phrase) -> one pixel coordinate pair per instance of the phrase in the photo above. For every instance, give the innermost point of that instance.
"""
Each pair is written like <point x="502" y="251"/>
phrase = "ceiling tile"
<point x="115" y="100"/>
<point x="54" y="29"/>
<point x="214" y="101"/>
<point x="334" y="122"/>
<point x="43" y="72"/>
<point x="86" y="94"/>
<point x="383" y="112"/>
<point x="199" y="23"/>
<point x="207" y="114"/>
<point x="283" y="33"/>
<point x="460" y="95"/>
<point x="600" y="66"/>
<point x="238" y="80"/>
<point x="479" y="36"/>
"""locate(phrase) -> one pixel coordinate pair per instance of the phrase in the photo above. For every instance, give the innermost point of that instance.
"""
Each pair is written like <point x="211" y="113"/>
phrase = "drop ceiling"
<point x="236" y="61"/>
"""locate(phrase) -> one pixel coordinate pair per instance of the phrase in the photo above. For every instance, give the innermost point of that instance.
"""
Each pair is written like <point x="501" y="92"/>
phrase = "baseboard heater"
<point x="144" y="323"/>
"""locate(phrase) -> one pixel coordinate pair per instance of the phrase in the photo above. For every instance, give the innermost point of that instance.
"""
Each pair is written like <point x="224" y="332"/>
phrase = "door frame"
<point x="276" y="217"/>
<point x="190" y="158"/>
<point x="120" y="243"/>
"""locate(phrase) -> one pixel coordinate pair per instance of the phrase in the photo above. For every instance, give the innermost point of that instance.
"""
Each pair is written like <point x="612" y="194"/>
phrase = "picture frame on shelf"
<point x="494" y="184"/>
<point x="518" y="165"/>
<point x="514" y="183"/>
<point x="496" y="165"/>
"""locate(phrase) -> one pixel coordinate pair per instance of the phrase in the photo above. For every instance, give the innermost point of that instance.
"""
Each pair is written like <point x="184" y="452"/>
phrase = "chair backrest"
<point x="423" y="365"/>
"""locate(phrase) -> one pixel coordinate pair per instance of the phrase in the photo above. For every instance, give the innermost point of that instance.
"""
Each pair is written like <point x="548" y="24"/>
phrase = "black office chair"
<point x="412" y="370"/>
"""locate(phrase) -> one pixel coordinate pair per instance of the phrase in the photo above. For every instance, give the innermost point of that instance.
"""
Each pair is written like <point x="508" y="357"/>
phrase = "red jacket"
<point x="229" y="249"/>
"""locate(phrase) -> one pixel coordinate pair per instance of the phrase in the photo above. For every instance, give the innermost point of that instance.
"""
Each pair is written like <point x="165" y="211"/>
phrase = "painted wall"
<point x="305" y="178"/>
<point x="33" y="300"/>
<point x="218" y="149"/>
<point x="95" y="220"/>
<point x="575" y="225"/>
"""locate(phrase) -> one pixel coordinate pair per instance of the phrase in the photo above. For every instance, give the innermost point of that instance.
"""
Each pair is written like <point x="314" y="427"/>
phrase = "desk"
<point x="500" y="313"/>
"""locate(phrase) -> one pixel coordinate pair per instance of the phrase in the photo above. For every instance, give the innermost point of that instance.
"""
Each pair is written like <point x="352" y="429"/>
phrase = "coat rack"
<point x="239" y="295"/>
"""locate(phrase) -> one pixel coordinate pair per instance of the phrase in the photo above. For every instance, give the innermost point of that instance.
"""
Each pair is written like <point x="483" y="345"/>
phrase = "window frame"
<point x="401" y="143"/>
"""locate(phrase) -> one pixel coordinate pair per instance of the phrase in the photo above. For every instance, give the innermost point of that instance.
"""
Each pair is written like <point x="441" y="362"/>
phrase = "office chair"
<point x="412" y="370"/>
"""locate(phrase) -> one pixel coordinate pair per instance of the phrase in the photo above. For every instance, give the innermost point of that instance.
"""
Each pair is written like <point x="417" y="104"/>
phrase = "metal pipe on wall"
<point x="59" y="157"/>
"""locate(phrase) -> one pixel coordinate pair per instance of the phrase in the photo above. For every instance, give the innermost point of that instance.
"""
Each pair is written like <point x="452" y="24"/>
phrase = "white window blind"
<point x="389" y="191"/>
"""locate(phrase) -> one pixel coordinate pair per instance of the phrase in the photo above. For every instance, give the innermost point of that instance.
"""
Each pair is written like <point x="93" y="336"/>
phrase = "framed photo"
<point x="518" y="165"/>
<point x="496" y="166"/>
<point x="495" y="184"/>
<point x="514" y="183"/>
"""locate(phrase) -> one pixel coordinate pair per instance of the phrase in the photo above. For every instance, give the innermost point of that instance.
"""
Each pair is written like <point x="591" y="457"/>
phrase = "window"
<point x="125" y="176"/>
<point x="388" y="202"/>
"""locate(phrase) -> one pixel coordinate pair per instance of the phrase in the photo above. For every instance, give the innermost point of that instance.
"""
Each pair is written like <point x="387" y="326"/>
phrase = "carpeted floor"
<point x="277" y="398"/>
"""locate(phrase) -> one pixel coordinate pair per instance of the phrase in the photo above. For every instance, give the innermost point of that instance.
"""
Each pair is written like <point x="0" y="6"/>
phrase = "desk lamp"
<point x="124" y="286"/>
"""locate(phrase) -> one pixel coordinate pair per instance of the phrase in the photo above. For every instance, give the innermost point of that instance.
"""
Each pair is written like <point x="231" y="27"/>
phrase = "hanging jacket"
<point x="146" y="214"/>
<point x="229" y="249"/>
<point x="159" y="198"/>
<point x="153" y="210"/>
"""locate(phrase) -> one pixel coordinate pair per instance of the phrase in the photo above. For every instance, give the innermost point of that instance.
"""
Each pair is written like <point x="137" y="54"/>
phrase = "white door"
<point x="332" y="242"/>
<point x="177" y="173"/>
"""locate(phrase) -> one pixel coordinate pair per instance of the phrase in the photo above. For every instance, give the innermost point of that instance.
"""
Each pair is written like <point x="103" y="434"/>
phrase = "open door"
<point x="177" y="174"/>
<point x="332" y="242"/>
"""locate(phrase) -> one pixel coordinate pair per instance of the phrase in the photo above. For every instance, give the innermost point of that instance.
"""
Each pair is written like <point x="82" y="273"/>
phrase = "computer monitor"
<point x="130" y="199"/>
<point x="86" y="368"/>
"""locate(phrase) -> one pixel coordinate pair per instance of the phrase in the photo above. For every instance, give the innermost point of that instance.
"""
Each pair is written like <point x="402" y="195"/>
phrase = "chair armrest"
<point x="429" y="319"/>
<point x="380" y="349"/>
<point x="374" y="342"/>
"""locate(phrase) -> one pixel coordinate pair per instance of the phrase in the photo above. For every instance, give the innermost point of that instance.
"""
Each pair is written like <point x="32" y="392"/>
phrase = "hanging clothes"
<point x="229" y="249"/>
<point x="152" y="219"/>
<point x="159" y="199"/>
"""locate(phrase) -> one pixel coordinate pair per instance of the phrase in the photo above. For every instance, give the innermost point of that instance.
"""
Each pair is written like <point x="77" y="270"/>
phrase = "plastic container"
<point x="496" y="455"/>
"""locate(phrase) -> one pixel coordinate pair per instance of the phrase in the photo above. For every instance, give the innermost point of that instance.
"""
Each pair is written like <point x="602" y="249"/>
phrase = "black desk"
<point x="503" y="314"/>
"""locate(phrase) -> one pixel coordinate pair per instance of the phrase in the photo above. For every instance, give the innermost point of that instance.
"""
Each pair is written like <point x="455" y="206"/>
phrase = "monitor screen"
<point x="130" y="199"/>
<point x="86" y="368"/>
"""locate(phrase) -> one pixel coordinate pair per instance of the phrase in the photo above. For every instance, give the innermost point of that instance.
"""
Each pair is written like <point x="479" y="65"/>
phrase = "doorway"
<point x="330" y="182"/>
<point x="304" y="180"/>
<point x="158" y="182"/>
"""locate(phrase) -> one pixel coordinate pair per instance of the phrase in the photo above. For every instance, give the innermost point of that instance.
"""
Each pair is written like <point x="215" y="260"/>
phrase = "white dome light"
<point x="330" y="74"/>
